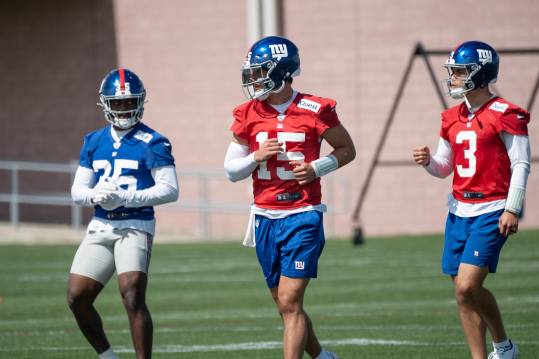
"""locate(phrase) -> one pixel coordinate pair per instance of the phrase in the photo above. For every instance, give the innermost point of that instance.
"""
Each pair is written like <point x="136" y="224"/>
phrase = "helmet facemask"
<point x="257" y="82"/>
<point x="124" y="111"/>
<point x="469" y="72"/>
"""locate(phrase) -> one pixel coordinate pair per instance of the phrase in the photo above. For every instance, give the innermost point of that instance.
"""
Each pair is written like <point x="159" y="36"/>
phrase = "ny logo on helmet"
<point x="485" y="56"/>
<point x="279" y="51"/>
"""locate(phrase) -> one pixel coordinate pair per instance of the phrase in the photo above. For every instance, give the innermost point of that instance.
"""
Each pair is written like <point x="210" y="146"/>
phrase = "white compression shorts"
<point x="102" y="252"/>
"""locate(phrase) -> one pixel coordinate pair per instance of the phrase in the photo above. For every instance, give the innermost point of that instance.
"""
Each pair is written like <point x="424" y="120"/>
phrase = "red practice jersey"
<point x="481" y="165"/>
<point x="299" y="129"/>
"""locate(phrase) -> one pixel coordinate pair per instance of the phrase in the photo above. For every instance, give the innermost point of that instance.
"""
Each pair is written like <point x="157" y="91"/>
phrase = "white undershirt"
<point x="284" y="106"/>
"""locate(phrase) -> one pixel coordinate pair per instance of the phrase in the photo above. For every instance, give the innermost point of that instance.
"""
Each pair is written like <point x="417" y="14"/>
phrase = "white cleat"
<point x="505" y="353"/>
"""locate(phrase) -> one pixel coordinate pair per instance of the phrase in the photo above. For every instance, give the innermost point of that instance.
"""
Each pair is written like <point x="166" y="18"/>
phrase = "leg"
<point x="132" y="257"/>
<point x="288" y="250"/>
<point x="290" y="304"/>
<point x="312" y="347"/>
<point x="92" y="268"/>
<point x="477" y="308"/>
<point x="133" y="290"/>
<point x="81" y="293"/>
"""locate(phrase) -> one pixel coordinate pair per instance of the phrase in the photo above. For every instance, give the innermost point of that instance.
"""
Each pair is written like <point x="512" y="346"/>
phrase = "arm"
<point x="441" y="164"/>
<point x="518" y="149"/>
<point x="82" y="190"/>
<point x="343" y="146"/>
<point x="239" y="163"/>
<point x="343" y="153"/>
<point x="164" y="190"/>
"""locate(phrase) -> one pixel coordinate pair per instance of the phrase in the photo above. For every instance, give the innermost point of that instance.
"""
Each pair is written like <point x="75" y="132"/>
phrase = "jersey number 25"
<point x="119" y="166"/>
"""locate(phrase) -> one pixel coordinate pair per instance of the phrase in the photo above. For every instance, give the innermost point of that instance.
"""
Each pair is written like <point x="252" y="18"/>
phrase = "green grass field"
<point x="386" y="299"/>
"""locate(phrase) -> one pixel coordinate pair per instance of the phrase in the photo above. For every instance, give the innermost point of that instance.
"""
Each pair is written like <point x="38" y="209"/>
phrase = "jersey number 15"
<point x="263" y="172"/>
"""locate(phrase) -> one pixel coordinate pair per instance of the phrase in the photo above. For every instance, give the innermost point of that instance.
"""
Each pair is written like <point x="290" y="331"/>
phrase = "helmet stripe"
<point x="121" y="72"/>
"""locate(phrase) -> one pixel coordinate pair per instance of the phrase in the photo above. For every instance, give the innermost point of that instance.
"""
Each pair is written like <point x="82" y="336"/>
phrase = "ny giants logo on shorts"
<point x="299" y="265"/>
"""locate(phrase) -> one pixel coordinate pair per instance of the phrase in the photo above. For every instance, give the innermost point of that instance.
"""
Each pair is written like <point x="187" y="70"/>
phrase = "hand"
<point x="268" y="149"/>
<point x="508" y="223"/>
<point x="102" y="190"/>
<point x="422" y="155"/>
<point x="113" y="200"/>
<point x="303" y="172"/>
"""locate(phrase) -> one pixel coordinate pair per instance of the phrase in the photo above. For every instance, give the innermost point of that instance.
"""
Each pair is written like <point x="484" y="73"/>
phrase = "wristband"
<point x="325" y="165"/>
<point x="515" y="200"/>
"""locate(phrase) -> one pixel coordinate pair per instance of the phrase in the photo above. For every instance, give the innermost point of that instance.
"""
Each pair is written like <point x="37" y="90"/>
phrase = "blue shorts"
<point x="289" y="246"/>
<point x="472" y="240"/>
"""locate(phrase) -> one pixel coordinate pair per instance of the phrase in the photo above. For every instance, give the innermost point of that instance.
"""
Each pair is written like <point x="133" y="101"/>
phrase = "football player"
<point x="484" y="141"/>
<point x="276" y="139"/>
<point x="125" y="169"/>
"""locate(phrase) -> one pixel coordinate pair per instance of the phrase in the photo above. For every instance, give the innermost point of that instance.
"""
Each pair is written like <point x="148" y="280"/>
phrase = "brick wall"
<point x="189" y="52"/>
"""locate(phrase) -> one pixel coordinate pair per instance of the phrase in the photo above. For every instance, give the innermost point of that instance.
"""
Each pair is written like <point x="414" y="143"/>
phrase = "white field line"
<point x="229" y="347"/>
<point x="251" y="346"/>
<point x="253" y="329"/>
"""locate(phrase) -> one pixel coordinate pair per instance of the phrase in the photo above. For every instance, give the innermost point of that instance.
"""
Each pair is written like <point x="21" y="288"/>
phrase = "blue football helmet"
<point x="122" y="97"/>
<point x="270" y="62"/>
<point x="479" y="60"/>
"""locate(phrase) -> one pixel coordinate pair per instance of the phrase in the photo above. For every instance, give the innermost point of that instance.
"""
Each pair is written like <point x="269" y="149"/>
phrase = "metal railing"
<point x="204" y="203"/>
<point x="15" y="198"/>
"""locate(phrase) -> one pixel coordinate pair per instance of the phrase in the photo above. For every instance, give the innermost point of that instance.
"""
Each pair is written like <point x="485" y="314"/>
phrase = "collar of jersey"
<point x="464" y="111"/>
<point x="128" y="137"/>
<point x="265" y="110"/>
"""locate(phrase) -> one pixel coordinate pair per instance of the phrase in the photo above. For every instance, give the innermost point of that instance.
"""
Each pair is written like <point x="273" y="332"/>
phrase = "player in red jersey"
<point x="484" y="141"/>
<point x="276" y="138"/>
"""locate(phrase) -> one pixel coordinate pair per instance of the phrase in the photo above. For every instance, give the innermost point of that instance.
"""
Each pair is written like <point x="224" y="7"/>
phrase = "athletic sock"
<point x="506" y="344"/>
<point x="108" y="354"/>
<point x="324" y="354"/>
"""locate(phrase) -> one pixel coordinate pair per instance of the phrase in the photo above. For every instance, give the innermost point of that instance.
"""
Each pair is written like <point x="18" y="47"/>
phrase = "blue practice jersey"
<point x="128" y="162"/>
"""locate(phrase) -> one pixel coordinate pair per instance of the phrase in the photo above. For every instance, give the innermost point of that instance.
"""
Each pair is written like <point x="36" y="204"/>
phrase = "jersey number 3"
<point x="263" y="172"/>
<point x="469" y="154"/>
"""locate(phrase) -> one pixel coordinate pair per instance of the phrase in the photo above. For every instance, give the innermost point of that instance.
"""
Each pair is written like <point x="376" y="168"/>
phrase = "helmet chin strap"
<point x="266" y="95"/>
<point x="279" y="89"/>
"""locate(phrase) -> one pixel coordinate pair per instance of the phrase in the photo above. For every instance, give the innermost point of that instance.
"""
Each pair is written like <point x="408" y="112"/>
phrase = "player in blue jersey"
<point x="125" y="169"/>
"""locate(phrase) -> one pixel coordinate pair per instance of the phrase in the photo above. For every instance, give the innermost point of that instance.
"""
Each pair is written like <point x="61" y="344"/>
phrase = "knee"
<point x="288" y="306"/>
<point x="133" y="300"/>
<point x="76" y="300"/>
<point x="466" y="292"/>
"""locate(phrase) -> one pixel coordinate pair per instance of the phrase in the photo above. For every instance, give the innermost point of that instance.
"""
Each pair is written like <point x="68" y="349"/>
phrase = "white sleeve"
<point x="441" y="164"/>
<point x="239" y="163"/>
<point x="165" y="189"/>
<point x="518" y="149"/>
<point x="82" y="188"/>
